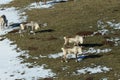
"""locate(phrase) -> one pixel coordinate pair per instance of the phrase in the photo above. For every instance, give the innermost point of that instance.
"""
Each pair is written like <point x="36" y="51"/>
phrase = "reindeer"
<point x="33" y="26"/>
<point x="75" y="50"/>
<point x="3" y="22"/>
<point x="76" y="40"/>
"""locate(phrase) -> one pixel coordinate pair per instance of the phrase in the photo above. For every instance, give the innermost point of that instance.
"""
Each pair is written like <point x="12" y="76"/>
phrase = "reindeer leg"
<point x="21" y="33"/>
<point x="64" y="57"/>
<point x="34" y="33"/>
<point x="76" y="57"/>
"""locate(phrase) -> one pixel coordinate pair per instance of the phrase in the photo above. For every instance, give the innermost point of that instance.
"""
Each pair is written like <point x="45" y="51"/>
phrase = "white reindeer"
<point x="32" y="25"/>
<point x="76" y="40"/>
<point x="75" y="50"/>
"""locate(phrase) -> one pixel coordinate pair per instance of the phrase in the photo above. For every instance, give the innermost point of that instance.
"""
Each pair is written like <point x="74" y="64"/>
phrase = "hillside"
<point x="98" y="20"/>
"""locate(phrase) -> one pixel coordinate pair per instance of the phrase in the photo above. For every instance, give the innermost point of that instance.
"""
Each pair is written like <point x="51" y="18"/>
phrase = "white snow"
<point x="93" y="70"/>
<point x="97" y="51"/>
<point x="42" y="5"/>
<point x="13" y="15"/>
<point x="57" y="55"/>
<point x="5" y="1"/>
<point x="116" y="40"/>
<point x="102" y="32"/>
<point x="7" y="30"/>
<point x="12" y="68"/>
<point x="114" y="25"/>
<point x="104" y="79"/>
<point x="49" y="4"/>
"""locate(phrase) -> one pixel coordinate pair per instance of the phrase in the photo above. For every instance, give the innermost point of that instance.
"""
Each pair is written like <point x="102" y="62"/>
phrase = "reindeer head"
<point x="45" y="24"/>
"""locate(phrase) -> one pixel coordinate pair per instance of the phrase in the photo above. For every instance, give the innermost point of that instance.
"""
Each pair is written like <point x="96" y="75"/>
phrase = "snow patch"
<point x="49" y="4"/>
<point x="5" y="1"/>
<point x="116" y="40"/>
<point x="13" y="15"/>
<point x="114" y="25"/>
<point x="13" y="68"/>
<point x="92" y="70"/>
<point x="57" y="55"/>
<point x="97" y="51"/>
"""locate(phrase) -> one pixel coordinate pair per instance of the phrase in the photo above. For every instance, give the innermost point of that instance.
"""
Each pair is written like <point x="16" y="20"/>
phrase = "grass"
<point x="68" y="19"/>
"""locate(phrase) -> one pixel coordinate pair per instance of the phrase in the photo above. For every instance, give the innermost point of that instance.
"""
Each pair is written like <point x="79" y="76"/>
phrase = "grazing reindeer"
<point x="32" y="25"/>
<point x="3" y="22"/>
<point x="76" y="40"/>
<point x="35" y="26"/>
<point x="75" y="50"/>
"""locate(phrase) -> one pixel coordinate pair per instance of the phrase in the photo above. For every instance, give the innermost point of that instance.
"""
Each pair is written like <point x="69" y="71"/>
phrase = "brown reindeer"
<point x="3" y="22"/>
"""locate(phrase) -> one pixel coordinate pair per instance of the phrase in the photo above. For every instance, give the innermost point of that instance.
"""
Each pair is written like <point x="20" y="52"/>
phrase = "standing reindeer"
<point x="33" y="26"/>
<point x="76" y="40"/>
<point x="3" y="22"/>
<point x="74" y="50"/>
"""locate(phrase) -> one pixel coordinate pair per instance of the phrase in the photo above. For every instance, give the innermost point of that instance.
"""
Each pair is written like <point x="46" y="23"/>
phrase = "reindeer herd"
<point x="33" y="26"/>
<point x="76" y="49"/>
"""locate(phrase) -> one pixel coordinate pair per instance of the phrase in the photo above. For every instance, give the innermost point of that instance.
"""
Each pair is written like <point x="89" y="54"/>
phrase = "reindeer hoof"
<point x="76" y="61"/>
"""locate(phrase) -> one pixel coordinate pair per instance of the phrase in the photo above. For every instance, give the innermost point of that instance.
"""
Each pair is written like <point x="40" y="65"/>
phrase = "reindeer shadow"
<point x="92" y="56"/>
<point x="15" y="25"/>
<point x="91" y="45"/>
<point x="43" y="31"/>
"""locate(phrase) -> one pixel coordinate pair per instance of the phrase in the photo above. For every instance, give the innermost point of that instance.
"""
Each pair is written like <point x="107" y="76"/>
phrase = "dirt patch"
<point x="89" y="78"/>
<point x="84" y="33"/>
<point x="51" y="38"/>
<point x="33" y="48"/>
<point x="48" y="79"/>
<point x="108" y="43"/>
<point x="14" y="31"/>
<point x="44" y="39"/>
<point x="35" y="38"/>
<point x="97" y="34"/>
<point x="107" y="37"/>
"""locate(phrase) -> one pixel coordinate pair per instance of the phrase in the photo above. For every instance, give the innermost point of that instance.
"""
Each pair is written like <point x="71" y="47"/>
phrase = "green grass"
<point x="67" y="19"/>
